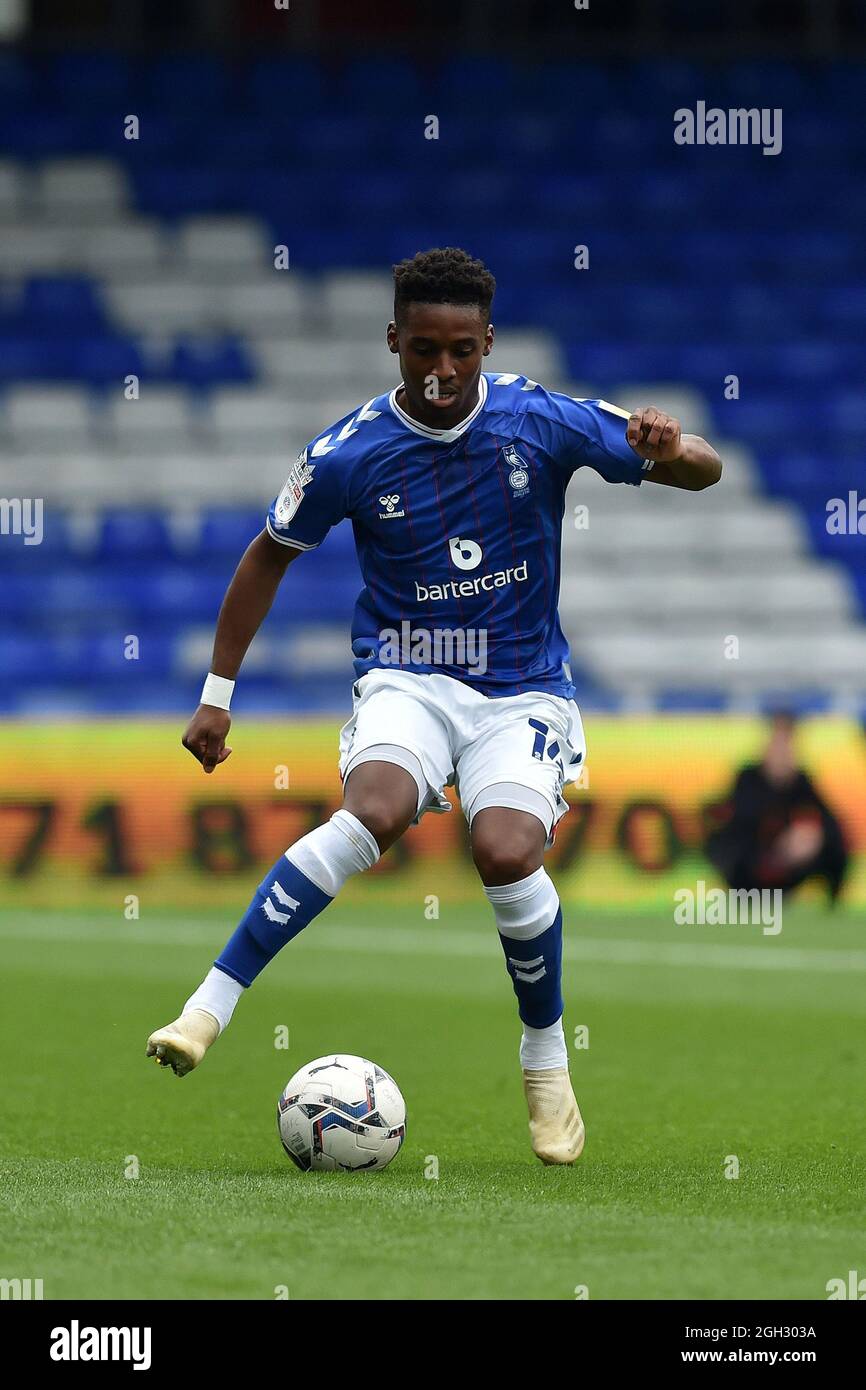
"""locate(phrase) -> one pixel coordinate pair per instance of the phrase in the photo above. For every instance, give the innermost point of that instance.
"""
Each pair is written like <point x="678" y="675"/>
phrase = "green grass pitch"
<point x="704" y="1043"/>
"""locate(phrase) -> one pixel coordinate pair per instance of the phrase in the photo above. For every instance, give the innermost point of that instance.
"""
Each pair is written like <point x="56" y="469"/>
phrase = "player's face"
<point x="441" y="347"/>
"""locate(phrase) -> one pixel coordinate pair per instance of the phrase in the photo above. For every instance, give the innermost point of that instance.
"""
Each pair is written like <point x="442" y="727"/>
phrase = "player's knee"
<point x="506" y="858"/>
<point x="385" y="821"/>
<point x="384" y="797"/>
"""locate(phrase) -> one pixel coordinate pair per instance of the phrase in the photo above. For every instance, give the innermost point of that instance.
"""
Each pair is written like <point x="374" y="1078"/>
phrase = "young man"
<point x="777" y="830"/>
<point x="455" y="483"/>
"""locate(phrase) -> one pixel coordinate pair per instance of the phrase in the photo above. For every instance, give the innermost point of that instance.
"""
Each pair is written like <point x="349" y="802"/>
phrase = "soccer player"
<point x="455" y="483"/>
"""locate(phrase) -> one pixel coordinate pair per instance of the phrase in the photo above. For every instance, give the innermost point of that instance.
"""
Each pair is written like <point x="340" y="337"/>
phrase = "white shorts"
<point x="467" y="740"/>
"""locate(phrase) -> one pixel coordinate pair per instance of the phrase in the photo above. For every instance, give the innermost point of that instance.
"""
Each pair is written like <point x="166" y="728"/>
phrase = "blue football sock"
<point x="286" y="901"/>
<point x="535" y="968"/>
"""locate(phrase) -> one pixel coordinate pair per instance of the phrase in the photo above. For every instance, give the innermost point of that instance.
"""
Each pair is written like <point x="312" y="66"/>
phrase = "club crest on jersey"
<point x="389" y="502"/>
<point x="518" y="478"/>
<point x="292" y="495"/>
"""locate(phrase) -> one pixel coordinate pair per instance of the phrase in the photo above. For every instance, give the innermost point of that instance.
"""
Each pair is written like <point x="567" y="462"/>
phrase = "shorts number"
<point x="540" y="742"/>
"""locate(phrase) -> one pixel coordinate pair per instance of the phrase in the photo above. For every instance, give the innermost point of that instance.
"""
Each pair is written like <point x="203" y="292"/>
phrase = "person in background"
<point x="776" y="831"/>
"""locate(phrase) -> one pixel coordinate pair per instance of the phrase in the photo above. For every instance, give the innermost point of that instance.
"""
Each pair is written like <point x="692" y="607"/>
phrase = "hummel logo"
<point x="389" y="502"/>
<point x="284" y="899"/>
<point x="528" y="970"/>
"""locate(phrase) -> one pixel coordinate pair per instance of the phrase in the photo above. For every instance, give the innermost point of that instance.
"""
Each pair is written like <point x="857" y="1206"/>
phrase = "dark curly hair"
<point x="444" y="275"/>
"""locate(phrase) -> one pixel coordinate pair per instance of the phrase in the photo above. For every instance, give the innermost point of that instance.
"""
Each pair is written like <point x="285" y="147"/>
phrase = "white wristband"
<point x="217" y="691"/>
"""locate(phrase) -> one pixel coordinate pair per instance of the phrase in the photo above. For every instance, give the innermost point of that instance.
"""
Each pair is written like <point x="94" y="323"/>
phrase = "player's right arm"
<point x="246" y="604"/>
<point x="296" y="522"/>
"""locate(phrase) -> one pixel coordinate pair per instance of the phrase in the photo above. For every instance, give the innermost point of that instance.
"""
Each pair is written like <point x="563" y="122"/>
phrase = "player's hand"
<point x="205" y="736"/>
<point x="654" y="435"/>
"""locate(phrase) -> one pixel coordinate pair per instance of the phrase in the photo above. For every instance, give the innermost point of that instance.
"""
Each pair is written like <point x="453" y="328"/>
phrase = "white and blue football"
<point x="341" y="1112"/>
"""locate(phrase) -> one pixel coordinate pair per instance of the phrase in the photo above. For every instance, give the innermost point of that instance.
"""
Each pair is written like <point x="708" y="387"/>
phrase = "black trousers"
<point x="742" y="865"/>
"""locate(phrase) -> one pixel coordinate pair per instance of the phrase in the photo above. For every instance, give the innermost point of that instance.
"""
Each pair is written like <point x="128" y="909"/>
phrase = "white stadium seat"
<point x="271" y="305"/>
<point x="319" y="647"/>
<point x="652" y="589"/>
<point x="728" y="602"/>
<point x="51" y="419"/>
<point x="688" y="406"/>
<point x="160" y="420"/>
<point x="207" y="244"/>
<point x="88" y="189"/>
<point x="247" y="419"/>
<point x="78" y="478"/>
<point x="353" y="302"/>
<point x="165" y="305"/>
<point x="655" y="540"/>
<point x="320" y="415"/>
<point x="697" y="661"/>
<point x="134" y="248"/>
<point x="315" y="368"/>
<point x="15" y="185"/>
<point x="36" y="248"/>
<point x="536" y="355"/>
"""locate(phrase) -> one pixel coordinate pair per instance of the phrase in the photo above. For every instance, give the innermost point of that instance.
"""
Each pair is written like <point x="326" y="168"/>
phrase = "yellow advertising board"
<point x="90" y="811"/>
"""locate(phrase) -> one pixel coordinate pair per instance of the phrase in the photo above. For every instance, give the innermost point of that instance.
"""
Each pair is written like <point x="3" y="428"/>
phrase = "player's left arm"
<point x="678" y="460"/>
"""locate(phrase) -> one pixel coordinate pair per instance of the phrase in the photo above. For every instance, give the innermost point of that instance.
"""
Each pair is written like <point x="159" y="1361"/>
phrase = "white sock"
<point x="524" y="909"/>
<point x="334" y="851"/>
<point x="217" y="995"/>
<point x="328" y="856"/>
<point x="541" y="1049"/>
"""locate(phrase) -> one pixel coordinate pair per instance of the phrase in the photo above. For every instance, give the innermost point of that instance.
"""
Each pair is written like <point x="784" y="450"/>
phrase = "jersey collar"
<point x="427" y="431"/>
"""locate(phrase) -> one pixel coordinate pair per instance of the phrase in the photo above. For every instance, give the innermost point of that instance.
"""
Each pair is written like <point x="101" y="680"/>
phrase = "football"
<point x="341" y="1112"/>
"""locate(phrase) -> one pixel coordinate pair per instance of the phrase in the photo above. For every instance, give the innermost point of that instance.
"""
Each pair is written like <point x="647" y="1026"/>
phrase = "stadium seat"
<point x="273" y="304"/>
<point x="167" y="305"/>
<point x="35" y="248"/>
<point x="113" y="265"/>
<point x="84" y="189"/>
<point x="132" y="249"/>
<point x="202" y="362"/>
<point x="254" y="420"/>
<point x="14" y="190"/>
<point x="47" y="419"/>
<point x="159" y="421"/>
<point x="214" y="246"/>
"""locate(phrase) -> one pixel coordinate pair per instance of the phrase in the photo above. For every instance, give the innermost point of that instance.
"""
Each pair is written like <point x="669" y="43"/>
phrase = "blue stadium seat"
<point x="380" y="83"/>
<point x="45" y="132"/>
<point x="25" y="358"/>
<point x="228" y="532"/>
<point x="106" y="360"/>
<point x="291" y="84"/>
<point x="62" y="305"/>
<point x="181" y="190"/>
<point x="184" y="81"/>
<point x="562" y="87"/>
<point x="203" y="362"/>
<point x="760" y="275"/>
<point x="133" y="533"/>
<point x="464" y="77"/>
<point x="18" y="82"/>
<point x="88" y="79"/>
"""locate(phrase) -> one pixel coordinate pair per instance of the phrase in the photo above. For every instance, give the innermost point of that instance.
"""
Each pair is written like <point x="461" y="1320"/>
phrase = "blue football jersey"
<point x="458" y="530"/>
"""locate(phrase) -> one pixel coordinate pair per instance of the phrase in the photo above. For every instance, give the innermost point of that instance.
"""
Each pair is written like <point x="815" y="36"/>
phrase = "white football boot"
<point x="555" y="1126"/>
<point x="181" y="1045"/>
